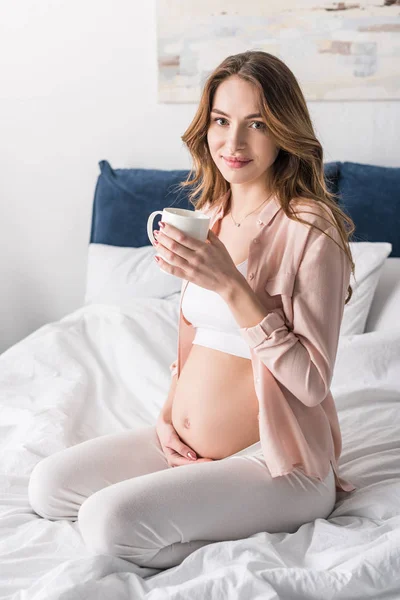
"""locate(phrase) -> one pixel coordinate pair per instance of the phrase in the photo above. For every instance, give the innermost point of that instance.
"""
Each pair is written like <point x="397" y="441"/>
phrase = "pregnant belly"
<point x="215" y="407"/>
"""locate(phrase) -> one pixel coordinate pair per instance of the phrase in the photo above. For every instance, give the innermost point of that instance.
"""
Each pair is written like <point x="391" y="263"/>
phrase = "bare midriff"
<point x="215" y="407"/>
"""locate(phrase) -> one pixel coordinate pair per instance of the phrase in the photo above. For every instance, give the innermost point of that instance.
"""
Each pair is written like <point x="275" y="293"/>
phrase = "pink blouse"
<point x="301" y="277"/>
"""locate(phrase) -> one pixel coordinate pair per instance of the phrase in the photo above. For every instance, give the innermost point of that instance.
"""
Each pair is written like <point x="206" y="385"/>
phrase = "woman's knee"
<point x="100" y="523"/>
<point x="40" y="488"/>
<point x="45" y="490"/>
<point x="119" y="521"/>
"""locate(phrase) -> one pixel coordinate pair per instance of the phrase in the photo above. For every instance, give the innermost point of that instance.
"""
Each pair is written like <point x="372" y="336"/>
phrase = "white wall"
<point x="78" y="83"/>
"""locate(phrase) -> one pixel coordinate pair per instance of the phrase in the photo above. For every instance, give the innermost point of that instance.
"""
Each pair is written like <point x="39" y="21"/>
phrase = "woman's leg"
<point x="62" y="481"/>
<point x="158" y="519"/>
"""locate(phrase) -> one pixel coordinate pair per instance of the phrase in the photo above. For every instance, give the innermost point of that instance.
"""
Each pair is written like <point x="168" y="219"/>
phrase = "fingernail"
<point x="191" y="456"/>
<point x="155" y="232"/>
<point x="162" y="224"/>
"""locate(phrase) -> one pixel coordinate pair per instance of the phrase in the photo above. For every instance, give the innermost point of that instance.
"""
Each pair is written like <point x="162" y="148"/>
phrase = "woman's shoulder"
<point x="320" y="223"/>
<point x="314" y="212"/>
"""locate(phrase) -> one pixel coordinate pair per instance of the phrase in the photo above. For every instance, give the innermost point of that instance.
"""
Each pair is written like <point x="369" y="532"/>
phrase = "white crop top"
<point x="214" y="323"/>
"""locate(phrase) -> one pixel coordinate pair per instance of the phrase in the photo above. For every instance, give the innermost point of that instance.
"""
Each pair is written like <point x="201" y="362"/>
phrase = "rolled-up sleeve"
<point x="302" y="358"/>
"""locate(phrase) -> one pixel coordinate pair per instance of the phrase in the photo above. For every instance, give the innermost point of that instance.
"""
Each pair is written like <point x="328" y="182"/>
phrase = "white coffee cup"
<point x="192" y="223"/>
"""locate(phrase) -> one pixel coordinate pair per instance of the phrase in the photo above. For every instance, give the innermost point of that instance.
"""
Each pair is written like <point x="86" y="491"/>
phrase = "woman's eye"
<point x="262" y="125"/>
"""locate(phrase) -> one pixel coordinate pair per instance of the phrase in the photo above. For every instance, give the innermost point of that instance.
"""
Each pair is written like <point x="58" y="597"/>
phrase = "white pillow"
<point x="384" y="314"/>
<point x="117" y="274"/>
<point x="369" y="258"/>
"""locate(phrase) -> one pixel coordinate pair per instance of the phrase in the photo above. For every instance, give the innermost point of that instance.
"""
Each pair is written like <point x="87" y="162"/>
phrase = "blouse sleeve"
<point x="302" y="358"/>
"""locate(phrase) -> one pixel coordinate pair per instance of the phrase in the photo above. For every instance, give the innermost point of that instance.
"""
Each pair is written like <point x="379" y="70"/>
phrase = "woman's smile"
<point x="236" y="164"/>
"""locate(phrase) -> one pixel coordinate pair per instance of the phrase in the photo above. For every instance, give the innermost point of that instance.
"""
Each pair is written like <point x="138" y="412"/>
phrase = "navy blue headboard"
<point x="124" y="198"/>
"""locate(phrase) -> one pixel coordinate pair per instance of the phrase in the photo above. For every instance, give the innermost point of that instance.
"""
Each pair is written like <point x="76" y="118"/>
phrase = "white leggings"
<point x="130" y="503"/>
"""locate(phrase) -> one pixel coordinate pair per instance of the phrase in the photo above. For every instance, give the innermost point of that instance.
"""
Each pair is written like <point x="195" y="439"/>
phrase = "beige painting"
<point x="337" y="50"/>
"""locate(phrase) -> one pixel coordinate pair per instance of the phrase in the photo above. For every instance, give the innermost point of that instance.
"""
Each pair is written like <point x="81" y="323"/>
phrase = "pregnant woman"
<point x="248" y="439"/>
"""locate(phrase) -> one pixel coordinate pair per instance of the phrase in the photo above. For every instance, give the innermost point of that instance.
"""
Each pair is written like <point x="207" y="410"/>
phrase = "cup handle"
<point x="150" y="225"/>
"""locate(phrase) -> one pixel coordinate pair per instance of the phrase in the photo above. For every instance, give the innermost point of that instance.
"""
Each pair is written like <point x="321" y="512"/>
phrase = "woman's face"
<point x="235" y="134"/>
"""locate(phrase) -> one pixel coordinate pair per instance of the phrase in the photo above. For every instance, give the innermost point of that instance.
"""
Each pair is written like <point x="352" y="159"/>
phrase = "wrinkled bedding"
<point x="102" y="370"/>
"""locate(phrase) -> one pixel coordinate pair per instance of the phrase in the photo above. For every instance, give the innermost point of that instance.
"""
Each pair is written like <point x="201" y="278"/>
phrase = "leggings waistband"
<point x="253" y="449"/>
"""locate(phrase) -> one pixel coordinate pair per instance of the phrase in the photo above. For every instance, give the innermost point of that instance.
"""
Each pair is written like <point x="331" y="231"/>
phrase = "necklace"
<point x="250" y="213"/>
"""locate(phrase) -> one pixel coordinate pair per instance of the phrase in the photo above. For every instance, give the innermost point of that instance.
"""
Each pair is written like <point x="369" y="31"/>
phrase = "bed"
<point x="98" y="370"/>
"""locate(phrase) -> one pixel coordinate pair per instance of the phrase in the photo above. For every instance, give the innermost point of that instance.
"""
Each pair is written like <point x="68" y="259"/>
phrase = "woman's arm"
<point x="302" y="359"/>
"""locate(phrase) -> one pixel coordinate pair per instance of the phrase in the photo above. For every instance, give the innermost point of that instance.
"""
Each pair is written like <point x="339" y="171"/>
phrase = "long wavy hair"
<point x="298" y="171"/>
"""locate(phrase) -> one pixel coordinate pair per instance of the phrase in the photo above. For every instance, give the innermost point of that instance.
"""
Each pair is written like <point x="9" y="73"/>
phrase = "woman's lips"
<point x="236" y="164"/>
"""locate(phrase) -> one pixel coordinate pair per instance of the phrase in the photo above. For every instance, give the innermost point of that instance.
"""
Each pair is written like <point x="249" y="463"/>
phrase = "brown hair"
<point x="298" y="171"/>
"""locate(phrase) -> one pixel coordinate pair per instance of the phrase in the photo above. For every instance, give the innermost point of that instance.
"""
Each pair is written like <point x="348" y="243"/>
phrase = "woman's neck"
<point x="240" y="208"/>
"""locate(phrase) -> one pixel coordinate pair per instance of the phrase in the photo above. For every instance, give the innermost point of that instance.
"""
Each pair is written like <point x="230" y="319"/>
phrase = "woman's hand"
<point x="174" y="449"/>
<point x="207" y="264"/>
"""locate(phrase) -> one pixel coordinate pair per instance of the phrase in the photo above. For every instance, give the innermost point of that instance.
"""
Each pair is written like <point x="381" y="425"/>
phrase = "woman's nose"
<point x="233" y="148"/>
<point x="236" y="139"/>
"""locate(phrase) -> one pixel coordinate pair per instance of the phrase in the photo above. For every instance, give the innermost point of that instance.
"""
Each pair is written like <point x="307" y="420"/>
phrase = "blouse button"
<point x="255" y="241"/>
<point x="251" y="275"/>
<point x="259" y="222"/>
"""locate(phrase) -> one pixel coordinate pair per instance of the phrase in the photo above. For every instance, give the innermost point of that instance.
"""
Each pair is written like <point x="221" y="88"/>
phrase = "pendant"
<point x="237" y="224"/>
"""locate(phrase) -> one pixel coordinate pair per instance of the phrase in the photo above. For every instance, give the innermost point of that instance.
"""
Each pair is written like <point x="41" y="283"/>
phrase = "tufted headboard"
<point x="124" y="198"/>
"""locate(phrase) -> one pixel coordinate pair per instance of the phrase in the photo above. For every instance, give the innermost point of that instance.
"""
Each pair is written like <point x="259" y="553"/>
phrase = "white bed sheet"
<point x="101" y="370"/>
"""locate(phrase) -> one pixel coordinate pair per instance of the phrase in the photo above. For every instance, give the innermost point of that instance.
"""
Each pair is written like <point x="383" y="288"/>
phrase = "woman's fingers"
<point x="178" y="462"/>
